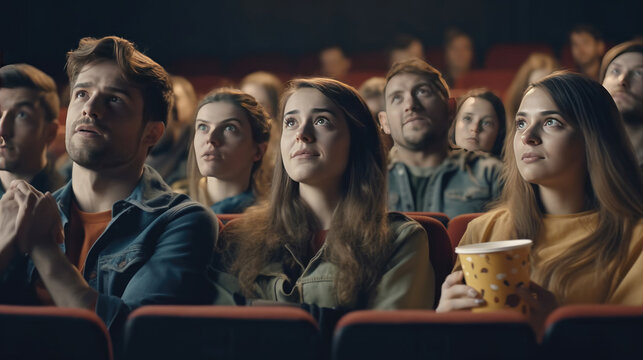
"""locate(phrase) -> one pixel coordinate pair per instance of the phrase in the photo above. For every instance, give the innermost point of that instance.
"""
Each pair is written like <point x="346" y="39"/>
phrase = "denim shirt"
<point x="155" y="250"/>
<point x="465" y="182"/>
<point x="234" y="204"/>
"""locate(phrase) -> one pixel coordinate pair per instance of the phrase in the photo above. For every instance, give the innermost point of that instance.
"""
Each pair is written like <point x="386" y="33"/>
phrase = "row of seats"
<point x="226" y="332"/>
<point x="501" y="63"/>
<point x="498" y="56"/>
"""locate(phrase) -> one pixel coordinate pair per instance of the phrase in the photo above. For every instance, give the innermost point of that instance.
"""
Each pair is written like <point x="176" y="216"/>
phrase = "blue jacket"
<point x="464" y="183"/>
<point x="235" y="204"/>
<point x="155" y="250"/>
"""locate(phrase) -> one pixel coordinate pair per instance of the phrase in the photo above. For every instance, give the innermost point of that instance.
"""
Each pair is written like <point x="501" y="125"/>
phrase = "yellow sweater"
<point x="559" y="232"/>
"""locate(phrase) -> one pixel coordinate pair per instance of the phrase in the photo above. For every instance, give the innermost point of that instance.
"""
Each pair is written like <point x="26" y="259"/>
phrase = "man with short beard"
<point x="622" y="75"/>
<point x="115" y="237"/>
<point x="424" y="174"/>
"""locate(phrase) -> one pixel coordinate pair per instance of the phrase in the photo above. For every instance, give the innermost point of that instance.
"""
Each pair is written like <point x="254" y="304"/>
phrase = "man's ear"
<point x="153" y="132"/>
<point x="384" y="122"/>
<point x="261" y="151"/>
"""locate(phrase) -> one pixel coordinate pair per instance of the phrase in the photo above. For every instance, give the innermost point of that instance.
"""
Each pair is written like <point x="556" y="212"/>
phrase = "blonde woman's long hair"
<point x="613" y="186"/>
<point x="357" y="241"/>
<point x="520" y="82"/>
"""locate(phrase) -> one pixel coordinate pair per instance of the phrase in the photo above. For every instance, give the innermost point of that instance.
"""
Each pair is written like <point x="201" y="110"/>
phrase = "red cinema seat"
<point x="511" y="56"/>
<point x="221" y="332"/>
<point x="441" y="217"/>
<point x="496" y="80"/>
<point x="370" y="61"/>
<point x="424" y="334"/>
<point x="48" y="332"/>
<point x="435" y="57"/>
<point x="440" y="250"/>
<point x="274" y="63"/>
<point x="458" y="225"/>
<point x="594" y="332"/>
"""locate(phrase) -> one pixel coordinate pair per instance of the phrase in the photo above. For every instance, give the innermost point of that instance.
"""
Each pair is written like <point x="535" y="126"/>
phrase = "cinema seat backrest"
<point x="425" y="334"/>
<point x="221" y="332"/>
<point x="48" y="332"/>
<point x="594" y="332"/>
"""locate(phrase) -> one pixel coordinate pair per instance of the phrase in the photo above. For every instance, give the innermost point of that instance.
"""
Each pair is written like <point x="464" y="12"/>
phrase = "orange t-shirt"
<point x="84" y="230"/>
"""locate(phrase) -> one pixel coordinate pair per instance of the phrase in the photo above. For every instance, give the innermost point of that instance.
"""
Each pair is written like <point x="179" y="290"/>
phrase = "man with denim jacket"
<point x="116" y="237"/>
<point x="424" y="174"/>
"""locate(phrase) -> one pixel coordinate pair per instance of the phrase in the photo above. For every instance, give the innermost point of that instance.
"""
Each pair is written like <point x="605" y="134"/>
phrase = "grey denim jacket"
<point x="464" y="183"/>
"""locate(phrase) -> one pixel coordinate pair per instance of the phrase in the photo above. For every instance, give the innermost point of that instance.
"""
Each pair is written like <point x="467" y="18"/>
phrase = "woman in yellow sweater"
<point x="572" y="185"/>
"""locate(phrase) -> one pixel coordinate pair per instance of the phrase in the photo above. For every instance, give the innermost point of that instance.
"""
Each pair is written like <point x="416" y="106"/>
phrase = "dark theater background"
<point x="218" y="42"/>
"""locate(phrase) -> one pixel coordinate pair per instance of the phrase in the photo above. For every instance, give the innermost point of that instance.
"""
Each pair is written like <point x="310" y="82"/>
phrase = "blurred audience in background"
<point x="405" y="47"/>
<point x="536" y="67"/>
<point x="334" y="63"/>
<point x="587" y="47"/>
<point x="169" y="155"/>
<point x="184" y="99"/>
<point x="372" y="90"/>
<point x="266" y="88"/>
<point x="458" y="55"/>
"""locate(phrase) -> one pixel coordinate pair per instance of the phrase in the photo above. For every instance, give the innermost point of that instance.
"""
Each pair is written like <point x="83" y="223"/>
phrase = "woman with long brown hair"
<point x="573" y="186"/>
<point x="231" y="133"/>
<point x="324" y="237"/>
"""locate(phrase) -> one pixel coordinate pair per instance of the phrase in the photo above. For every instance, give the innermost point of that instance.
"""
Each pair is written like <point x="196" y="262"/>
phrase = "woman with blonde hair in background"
<point x="536" y="67"/>
<point x="267" y="89"/>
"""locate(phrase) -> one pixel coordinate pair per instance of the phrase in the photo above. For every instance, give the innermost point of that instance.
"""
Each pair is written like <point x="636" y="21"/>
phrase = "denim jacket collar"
<point x="456" y="159"/>
<point x="151" y="194"/>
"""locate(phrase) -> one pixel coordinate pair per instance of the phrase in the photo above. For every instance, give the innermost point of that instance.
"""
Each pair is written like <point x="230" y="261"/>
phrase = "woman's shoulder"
<point x="493" y="225"/>
<point x="399" y="223"/>
<point x="499" y="216"/>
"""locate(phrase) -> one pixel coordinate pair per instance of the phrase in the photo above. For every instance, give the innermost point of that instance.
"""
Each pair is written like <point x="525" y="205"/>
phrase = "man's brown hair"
<point x="150" y="77"/>
<point x="26" y="76"/>
<point x="420" y="67"/>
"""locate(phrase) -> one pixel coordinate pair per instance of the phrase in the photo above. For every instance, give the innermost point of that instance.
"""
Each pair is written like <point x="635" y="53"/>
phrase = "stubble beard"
<point x="89" y="158"/>
<point x="632" y="115"/>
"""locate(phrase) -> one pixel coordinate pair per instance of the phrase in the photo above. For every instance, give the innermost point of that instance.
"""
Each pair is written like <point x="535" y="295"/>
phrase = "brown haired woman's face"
<point x="223" y="142"/>
<point x="476" y="125"/>
<point x="549" y="151"/>
<point x="315" y="140"/>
